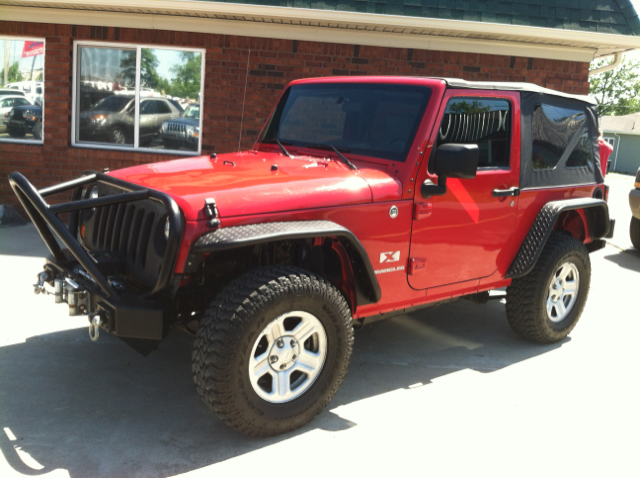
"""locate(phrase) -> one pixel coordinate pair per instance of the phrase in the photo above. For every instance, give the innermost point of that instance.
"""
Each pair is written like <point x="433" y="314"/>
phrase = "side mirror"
<point x="453" y="160"/>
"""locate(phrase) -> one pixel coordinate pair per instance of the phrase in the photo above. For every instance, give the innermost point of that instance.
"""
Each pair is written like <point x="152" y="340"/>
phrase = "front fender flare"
<point x="367" y="287"/>
<point x="596" y="211"/>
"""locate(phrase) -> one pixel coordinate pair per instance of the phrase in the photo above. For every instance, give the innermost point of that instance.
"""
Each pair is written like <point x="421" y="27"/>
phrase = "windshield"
<point x="378" y="120"/>
<point x="112" y="103"/>
<point x="192" y="112"/>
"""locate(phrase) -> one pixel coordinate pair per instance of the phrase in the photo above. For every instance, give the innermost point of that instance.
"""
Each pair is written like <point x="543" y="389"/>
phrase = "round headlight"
<point x="167" y="229"/>
<point x="93" y="194"/>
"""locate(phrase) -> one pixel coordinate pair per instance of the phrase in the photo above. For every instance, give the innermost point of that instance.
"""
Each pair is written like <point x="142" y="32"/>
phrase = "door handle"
<point x="514" y="191"/>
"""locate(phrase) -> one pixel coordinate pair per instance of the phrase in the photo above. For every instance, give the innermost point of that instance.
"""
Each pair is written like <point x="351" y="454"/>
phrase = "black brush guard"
<point x="141" y="318"/>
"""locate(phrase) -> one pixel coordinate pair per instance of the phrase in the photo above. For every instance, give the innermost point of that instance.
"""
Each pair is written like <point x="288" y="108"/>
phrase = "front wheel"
<point x="545" y="305"/>
<point x="117" y="136"/>
<point x="634" y="231"/>
<point x="272" y="350"/>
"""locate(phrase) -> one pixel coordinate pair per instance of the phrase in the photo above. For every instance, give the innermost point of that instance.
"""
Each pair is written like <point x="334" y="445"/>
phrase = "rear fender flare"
<point x="367" y="289"/>
<point x="596" y="212"/>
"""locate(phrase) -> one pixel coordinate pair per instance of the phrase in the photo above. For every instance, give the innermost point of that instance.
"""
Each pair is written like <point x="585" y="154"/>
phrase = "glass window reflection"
<point x="21" y="89"/>
<point x="170" y="83"/>
<point x="106" y="92"/>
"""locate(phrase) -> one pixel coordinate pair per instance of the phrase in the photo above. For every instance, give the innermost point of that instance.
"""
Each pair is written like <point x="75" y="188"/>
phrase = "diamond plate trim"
<point x="533" y="244"/>
<point x="247" y="235"/>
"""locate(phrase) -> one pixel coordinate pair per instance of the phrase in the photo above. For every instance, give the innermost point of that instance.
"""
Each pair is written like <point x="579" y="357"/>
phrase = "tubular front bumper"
<point x="86" y="284"/>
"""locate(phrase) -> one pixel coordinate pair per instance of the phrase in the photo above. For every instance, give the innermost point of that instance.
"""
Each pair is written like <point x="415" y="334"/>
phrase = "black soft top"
<point x="531" y="97"/>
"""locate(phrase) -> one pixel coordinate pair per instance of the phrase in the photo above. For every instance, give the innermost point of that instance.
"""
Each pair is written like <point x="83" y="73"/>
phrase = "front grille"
<point x="177" y="128"/>
<point x="132" y="233"/>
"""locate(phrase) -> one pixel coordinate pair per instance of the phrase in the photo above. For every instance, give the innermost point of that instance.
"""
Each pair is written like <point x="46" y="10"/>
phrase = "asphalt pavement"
<point x="447" y="391"/>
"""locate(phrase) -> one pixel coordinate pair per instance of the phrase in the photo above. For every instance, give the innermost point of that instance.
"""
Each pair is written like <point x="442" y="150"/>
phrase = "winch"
<point x="69" y="291"/>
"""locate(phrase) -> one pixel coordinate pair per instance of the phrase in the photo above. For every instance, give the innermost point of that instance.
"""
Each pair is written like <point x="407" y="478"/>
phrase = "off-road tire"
<point x="527" y="296"/>
<point x="634" y="232"/>
<point x="231" y="325"/>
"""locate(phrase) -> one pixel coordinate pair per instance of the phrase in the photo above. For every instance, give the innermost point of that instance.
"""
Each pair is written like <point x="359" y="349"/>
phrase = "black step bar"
<point x="44" y="217"/>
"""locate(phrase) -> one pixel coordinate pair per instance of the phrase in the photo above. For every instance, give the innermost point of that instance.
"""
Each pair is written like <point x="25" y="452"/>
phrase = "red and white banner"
<point x="31" y="49"/>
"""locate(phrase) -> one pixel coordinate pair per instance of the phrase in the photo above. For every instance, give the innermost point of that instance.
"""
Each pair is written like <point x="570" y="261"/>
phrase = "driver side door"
<point x="459" y="236"/>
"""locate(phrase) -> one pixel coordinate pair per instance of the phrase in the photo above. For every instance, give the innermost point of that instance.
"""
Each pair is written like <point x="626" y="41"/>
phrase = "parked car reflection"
<point x="182" y="132"/>
<point x="111" y="120"/>
<point x="24" y="120"/>
<point x="8" y="103"/>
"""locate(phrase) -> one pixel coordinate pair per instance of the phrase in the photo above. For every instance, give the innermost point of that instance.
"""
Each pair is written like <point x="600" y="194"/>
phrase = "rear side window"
<point x="162" y="107"/>
<point x="559" y="133"/>
<point x="481" y="121"/>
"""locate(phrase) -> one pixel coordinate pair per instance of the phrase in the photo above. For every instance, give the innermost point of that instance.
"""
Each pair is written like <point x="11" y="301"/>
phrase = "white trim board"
<point x="503" y="40"/>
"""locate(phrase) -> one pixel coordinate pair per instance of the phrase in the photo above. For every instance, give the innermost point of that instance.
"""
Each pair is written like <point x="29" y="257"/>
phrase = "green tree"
<point x="148" y="69"/>
<point x="617" y="90"/>
<point x="462" y="107"/>
<point x="186" y="80"/>
<point x="39" y="77"/>
<point x="14" y="74"/>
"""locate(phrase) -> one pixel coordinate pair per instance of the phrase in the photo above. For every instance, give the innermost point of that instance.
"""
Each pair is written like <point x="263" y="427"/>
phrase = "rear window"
<point x="559" y="134"/>
<point x="377" y="120"/>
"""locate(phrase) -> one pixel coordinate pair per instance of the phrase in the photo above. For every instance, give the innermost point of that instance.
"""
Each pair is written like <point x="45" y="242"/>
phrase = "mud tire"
<point x="527" y="296"/>
<point x="231" y="325"/>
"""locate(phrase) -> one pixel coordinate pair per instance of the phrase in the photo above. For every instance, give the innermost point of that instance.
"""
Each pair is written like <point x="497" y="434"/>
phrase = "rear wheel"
<point x="634" y="231"/>
<point x="545" y="305"/>
<point x="272" y="350"/>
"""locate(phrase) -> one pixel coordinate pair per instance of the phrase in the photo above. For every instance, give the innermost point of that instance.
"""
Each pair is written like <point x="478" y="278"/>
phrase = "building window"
<point x="481" y="121"/>
<point x="560" y="134"/>
<point x="137" y="97"/>
<point x="611" y="141"/>
<point x="21" y="89"/>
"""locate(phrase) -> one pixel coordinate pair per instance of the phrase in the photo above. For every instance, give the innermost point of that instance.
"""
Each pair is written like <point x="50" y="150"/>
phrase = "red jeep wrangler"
<point x="362" y="198"/>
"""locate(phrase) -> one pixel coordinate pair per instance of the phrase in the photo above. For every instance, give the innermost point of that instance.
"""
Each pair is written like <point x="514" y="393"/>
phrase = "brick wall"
<point x="271" y="64"/>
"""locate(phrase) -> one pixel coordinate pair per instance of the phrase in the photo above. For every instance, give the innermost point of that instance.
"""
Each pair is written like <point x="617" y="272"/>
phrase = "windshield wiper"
<point x="343" y="158"/>
<point x="283" y="149"/>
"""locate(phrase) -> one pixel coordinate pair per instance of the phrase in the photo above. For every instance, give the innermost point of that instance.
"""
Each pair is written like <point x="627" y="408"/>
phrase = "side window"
<point x="481" y="121"/>
<point x="148" y="107"/>
<point x="6" y="103"/>
<point x="557" y="133"/>
<point x="20" y="102"/>
<point x="162" y="107"/>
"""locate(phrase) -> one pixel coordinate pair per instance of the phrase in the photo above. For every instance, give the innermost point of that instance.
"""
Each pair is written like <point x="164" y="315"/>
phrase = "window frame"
<point x="511" y="127"/>
<point x="44" y="63"/>
<point x="138" y="47"/>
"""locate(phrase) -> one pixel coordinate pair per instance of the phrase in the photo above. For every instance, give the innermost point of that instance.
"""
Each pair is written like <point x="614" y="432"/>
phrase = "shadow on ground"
<point x="623" y="259"/>
<point x="100" y="409"/>
<point x="22" y="241"/>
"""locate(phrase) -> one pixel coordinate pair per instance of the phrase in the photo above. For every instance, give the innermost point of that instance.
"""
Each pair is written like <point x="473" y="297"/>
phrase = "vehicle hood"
<point x="250" y="183"/>
<point x="35" y="108"/>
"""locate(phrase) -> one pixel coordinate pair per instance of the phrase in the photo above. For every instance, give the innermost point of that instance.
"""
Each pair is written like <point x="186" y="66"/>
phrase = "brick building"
<point x="232" y="60"/>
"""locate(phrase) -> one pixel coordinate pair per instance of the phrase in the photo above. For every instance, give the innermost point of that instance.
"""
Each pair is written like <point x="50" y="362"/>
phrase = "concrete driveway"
<point x="449" y="391"/>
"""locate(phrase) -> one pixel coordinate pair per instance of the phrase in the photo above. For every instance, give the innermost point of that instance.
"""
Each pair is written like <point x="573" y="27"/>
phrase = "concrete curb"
<point x="10" y="217"/>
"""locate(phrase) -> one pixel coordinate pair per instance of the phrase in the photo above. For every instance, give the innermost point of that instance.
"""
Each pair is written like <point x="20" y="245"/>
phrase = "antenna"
<point x="244" y="98"/>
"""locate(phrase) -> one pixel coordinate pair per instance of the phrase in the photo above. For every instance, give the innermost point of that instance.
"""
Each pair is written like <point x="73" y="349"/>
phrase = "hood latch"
<point x="211" y="212"/>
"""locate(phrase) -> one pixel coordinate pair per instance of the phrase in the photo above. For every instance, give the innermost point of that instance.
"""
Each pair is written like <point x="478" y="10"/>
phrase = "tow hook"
<point x="39" y="286"/>
<point x="94" y="326"/>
